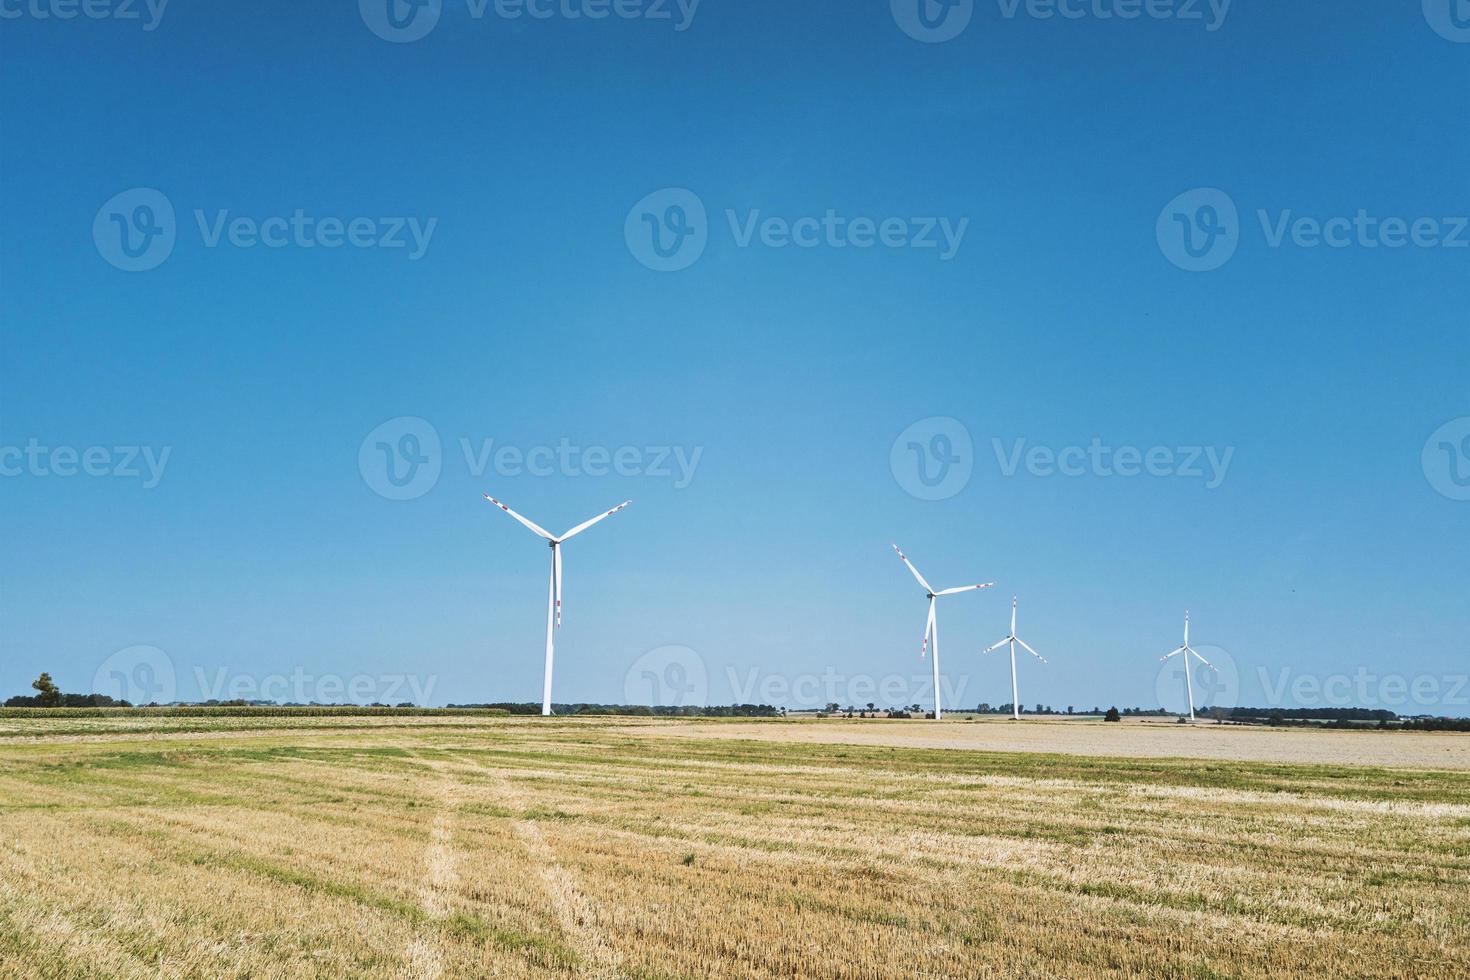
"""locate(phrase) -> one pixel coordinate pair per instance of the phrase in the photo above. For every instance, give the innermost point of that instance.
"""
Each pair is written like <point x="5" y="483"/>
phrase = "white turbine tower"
<point x="1187" y="650"/>
<point x="931" y="627"/>
<point x="553" y="604"/>
<point x="1013" y="639"/>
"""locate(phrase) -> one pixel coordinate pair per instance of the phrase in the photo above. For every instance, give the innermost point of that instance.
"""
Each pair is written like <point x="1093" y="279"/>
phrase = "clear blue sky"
<point x="1326" y="548"/>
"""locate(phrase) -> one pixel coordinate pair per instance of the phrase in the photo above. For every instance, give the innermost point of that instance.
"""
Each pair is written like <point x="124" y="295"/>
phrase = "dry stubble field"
<point x="526" y="848"/>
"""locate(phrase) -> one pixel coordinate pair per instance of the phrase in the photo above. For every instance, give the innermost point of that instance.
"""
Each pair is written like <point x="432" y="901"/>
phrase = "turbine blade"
<point x="996" y="646"/>
<point x="928" y="631"/>
<point x="901" y="555"/>
<point x="1174" y="654"/>
<point x="528" y="523"/>
<point x="1202" y="660"/>
<point x="586" y="524"/>
<point x="1030" y="651"/>
<point x="964" y="588"/>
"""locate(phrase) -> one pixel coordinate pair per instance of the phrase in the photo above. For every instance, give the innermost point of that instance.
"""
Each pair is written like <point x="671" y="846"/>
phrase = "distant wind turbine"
<point x="553" y="604"/>
<point x="931" y="627"/>
<point x="1186" y="649"/>
<point x="1013" y="639"/>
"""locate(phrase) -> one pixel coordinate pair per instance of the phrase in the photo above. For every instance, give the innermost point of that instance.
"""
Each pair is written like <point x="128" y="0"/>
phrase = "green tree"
<point x="49" y="695"/>
<point x="1112" y="715"/>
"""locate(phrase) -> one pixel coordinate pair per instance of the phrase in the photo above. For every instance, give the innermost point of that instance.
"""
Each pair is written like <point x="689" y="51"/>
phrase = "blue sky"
<point x="1334" y="543"/>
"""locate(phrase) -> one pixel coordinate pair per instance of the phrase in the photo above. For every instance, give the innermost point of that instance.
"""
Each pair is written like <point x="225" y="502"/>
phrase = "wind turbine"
<point x="1013" y="639"/>
<point x="1186" y="649"/>
<point x="553" y="603"/>
<point x="931" y="627"/>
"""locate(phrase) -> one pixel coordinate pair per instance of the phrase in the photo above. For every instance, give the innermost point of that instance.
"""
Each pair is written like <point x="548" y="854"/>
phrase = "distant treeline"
<point x="1338" y="718"/>
<point x="239" y="711"/>
<point x="1436" y="724"/>
<point x="66" y="701"/>
<point x="1274" y="715"/>
<point x="673" y="711"/>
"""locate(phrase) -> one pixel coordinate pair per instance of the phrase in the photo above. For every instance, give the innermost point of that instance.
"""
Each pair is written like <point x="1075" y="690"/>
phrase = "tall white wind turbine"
<point x="931" y="627"/>
<point x="553" y="603"/>
<point x="1187" y="650"/>
<point x="1013" y="639"/>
